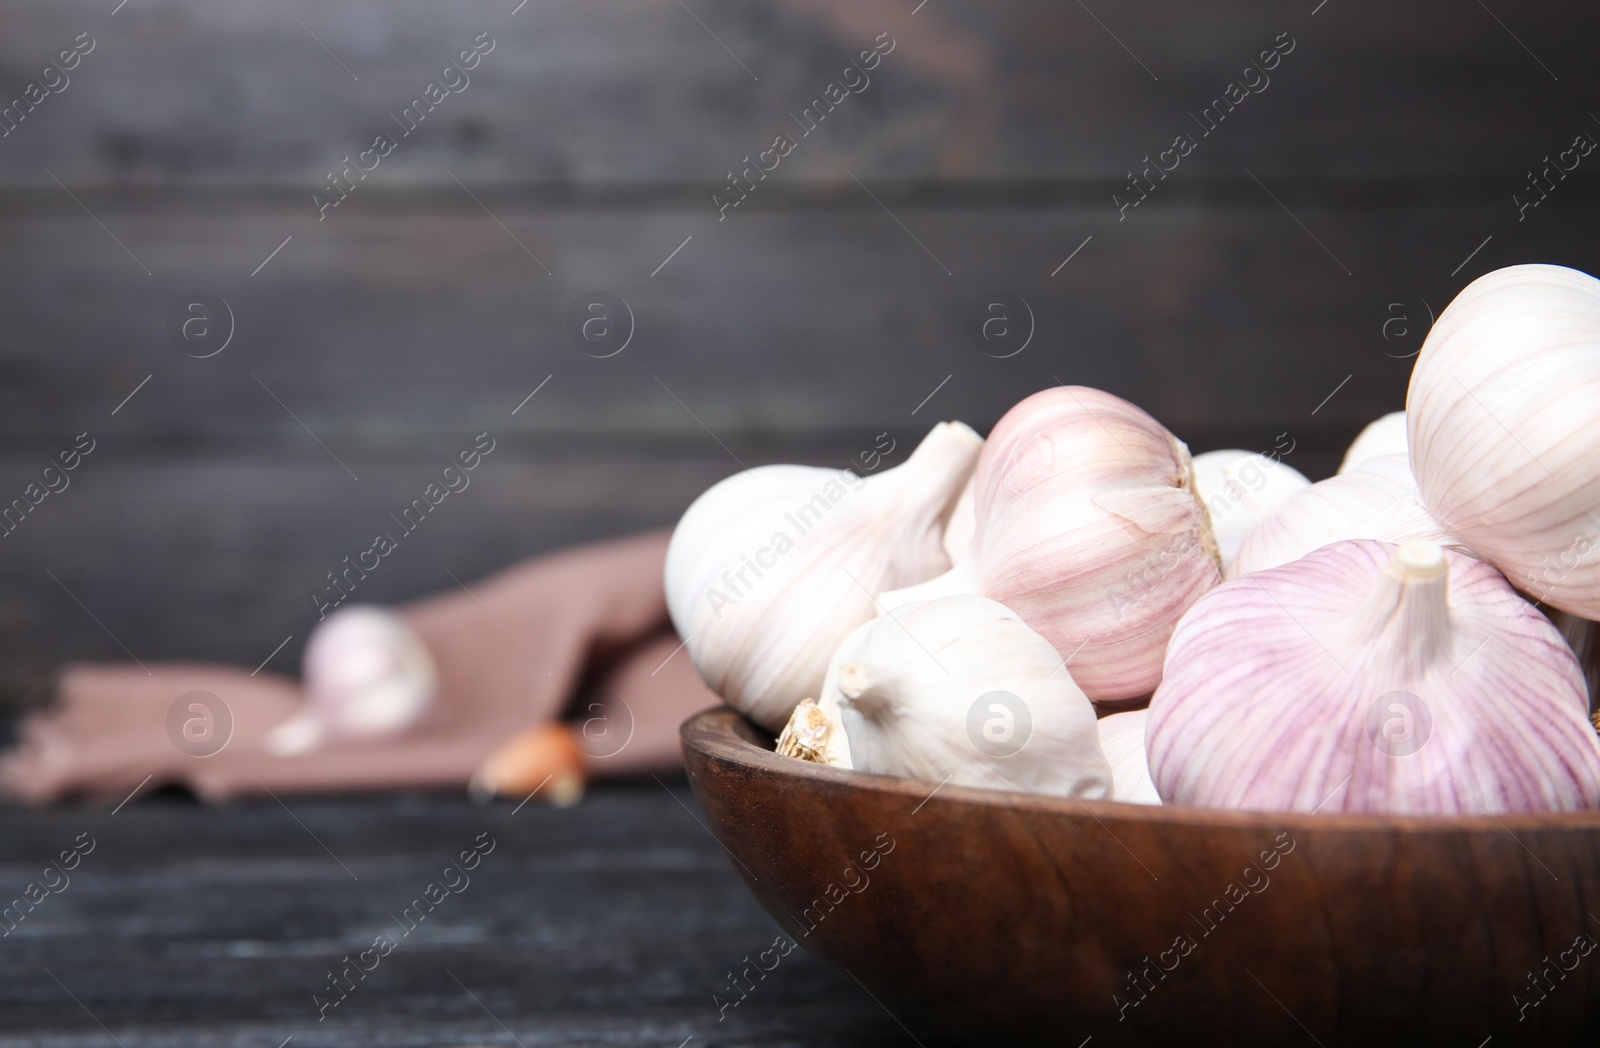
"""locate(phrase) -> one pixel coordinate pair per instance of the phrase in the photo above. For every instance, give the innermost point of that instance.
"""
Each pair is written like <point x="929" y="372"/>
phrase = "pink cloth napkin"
<point x="512" y="652"/>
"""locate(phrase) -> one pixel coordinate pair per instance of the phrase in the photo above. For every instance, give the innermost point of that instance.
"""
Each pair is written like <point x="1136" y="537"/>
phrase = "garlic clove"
<point x="1240" y="489"/>
<point x="1122" y="740"/>
<point x="366" y="674"/>
<point x="959" y="532"/>
<point x="1376" y="500"/>
<point x="1367" y="677"/>
<point x="1504" y="420"/>
<point x="770" y="568"/>
<point x="1088" y="526"/>
<point x="1386" y="436"/>
<point x="960" y="690"/>
<point x="544" y="761"/>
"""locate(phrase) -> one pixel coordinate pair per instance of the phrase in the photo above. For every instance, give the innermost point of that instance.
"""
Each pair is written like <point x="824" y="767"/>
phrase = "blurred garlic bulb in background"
<point x="1504" y="409"/>
<point x="1122" y="741"/>
<point x="1386" y="436"/>
<point x="1375" y="500"/>
<point x="1367" y="677"/>
<point x="959" y="689"/>
<point x="366" y="675"/>
<point x="1089" y="528"/>
<point x="1240" y="489"/>
<point x="770" y="568"/>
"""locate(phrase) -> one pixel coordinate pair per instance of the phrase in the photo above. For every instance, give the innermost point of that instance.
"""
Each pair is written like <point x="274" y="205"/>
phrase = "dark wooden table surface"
<point x="611" y="923"/>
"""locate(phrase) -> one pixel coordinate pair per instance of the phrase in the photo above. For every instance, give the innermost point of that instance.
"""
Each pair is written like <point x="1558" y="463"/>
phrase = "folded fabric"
<point x="512" y="651"/>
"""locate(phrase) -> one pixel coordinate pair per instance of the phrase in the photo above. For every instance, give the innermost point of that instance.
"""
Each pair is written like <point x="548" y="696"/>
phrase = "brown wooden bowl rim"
<point x="722" y="733"/>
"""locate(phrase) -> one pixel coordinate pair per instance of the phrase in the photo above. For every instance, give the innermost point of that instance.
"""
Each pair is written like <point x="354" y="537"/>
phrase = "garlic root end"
<point x="806" y="735"/>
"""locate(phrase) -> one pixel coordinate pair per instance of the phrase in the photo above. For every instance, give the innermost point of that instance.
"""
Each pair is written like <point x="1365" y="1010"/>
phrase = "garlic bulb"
<point x="366" y="675"/>
<point x="1376" y="500"/>
<point x="1386" y="436"/>
<point x="1122" y="741"/>
<point x="960" y="690"/>
<point x="770" y="568"/>
<point x="1240" y="489"/>
<point x="1367" y="677"/>
<point x="1504" y="409"/>
<point x="1089" y="528"/>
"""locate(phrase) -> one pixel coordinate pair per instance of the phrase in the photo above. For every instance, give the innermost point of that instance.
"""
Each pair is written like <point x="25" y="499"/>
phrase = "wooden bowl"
<point x="1001" y="918"/>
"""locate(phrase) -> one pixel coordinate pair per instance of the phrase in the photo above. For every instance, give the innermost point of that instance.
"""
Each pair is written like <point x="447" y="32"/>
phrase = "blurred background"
<point x="1350" y="166"/>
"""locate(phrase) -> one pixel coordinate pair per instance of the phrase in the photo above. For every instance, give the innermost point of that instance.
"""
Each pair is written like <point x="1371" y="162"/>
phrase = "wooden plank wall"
<point x="1297" y="249"/>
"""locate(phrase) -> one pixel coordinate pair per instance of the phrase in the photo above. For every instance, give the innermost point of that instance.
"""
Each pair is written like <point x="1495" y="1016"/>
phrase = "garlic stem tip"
<point x="1420" y="559"/>
<point x="854" y="680"/>
<point x="964" y="430"/>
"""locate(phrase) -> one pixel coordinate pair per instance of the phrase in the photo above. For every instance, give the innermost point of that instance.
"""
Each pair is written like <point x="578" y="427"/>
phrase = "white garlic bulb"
<point x="1376" y="500"/>
<point x="366" y="675"/>
<point x="960" y="690"/>
<point x="1122" y="741"/>
<point x="1240" y="489"/>
<point x="1367" y="677"/>
<point x="1089" y="528"/>
<point x="1504" y="409"/>
<point x="1386" y="436"/>
<point x="770" y="568"/>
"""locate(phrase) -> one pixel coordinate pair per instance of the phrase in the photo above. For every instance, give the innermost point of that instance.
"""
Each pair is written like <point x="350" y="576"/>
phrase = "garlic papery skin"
<point x="1504" y="416"/>
<point x="1089" y="528"/>
<point x="1376" y="500"/>
<point x="960" y="690"/>
<point x="1122" y="741"/>
<point x="834" y="742"/>
<point x="815" y="734"/>
<point x="770" y="568"/>
<point x="1368" y="677"/>
<point x="1240" y="489"/>
<point x="1386" y="436"/>
<point x="366" y="675"/>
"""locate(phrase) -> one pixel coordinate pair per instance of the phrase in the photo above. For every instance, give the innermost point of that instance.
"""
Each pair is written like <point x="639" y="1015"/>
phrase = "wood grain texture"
<point x="580" y="93"/>
<point x="1046" y="921"/>
<point x="611" y="923"/>
<point x="218" y="557"/>
<point x="391" y="325"/>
